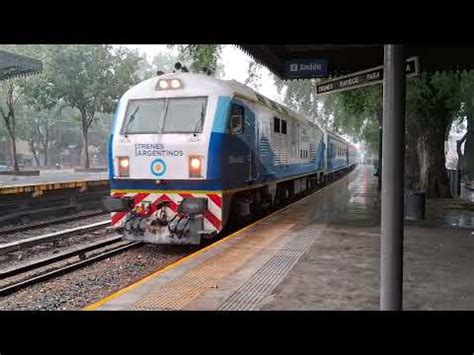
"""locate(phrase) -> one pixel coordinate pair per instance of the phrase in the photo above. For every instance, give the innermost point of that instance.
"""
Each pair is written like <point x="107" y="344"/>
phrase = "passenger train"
<point x="189" y="152"/>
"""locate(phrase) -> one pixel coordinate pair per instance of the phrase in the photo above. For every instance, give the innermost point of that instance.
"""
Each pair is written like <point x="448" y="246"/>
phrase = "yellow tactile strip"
<point x="250" y="295"/>
<point x="179" y="292"/>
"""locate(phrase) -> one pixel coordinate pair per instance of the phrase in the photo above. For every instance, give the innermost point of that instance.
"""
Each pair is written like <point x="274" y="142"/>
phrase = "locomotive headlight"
<point x="164" y="84"/>
<point x="195" y="166"/>
<point x="124" y="166"/>
<point x="175" y="84"/>
<point x="195" y="163"/>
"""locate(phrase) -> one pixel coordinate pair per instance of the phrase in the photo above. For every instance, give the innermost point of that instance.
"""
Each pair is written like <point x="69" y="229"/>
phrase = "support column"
<point x="393" y="149"/>
<point x="379" y="163"/>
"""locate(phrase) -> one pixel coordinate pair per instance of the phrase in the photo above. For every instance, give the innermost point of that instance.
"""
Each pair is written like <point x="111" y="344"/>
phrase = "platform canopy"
<point x="14" y="65"/>
<point x="349" y="58"/>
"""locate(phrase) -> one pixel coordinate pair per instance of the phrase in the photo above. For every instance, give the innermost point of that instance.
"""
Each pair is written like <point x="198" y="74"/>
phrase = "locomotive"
<point x="189" y="152"/>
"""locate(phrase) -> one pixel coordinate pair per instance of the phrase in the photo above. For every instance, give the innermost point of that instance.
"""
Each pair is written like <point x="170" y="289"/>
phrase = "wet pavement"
<point x="447" y="213"/>
<point x="341" y="270"/>
<point x="46" y="176"/>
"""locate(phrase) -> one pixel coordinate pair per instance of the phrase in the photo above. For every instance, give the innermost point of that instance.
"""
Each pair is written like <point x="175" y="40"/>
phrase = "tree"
<point x="358" y="114"/>
<point x="11" y="93"/>
<point x="203" y="57"/>
<point x="466" y="115"/>
<point x="164" y="61"/>
<point x="144" y="68"/>
<point x="253" y="75"/>
<point x="432" y="104"/>
<point x="31" y="132"/>
<point x="300" y="95"/>
<point x="89" y="78"/>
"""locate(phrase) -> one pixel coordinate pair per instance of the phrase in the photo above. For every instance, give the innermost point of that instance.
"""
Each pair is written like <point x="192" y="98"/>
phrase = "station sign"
<point x="363" y="78"/>
<point x="306" y="68"/>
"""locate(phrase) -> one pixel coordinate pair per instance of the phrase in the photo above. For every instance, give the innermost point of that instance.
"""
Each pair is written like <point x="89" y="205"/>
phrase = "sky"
<point x="235" y="64"/>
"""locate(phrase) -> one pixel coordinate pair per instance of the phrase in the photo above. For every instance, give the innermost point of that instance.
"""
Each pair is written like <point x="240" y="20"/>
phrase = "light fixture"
<point x="195" y="166"/>
<point x="163" y="84"/>
<point x="166" y="84"/>
<point x="175" y="83"/>
<point x="123" y="166"/>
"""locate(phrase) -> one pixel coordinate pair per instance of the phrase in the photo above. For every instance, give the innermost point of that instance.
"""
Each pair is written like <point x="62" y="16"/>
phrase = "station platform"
<point x="51" y="180"/>
<point x="320" y="253"/>
<point x="51" y="176"/>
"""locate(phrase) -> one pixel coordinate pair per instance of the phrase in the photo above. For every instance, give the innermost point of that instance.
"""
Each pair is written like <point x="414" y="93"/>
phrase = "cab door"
<point x="251" y="139"/>
<point x="243" y="142"/>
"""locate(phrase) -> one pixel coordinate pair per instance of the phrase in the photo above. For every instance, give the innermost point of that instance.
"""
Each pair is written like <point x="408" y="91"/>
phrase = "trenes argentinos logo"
<point x="158" y="167"/>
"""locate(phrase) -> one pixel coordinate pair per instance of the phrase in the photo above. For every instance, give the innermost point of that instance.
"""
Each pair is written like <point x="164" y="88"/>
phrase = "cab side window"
<point x="237" y="119"/>
<point x="276" y="125"/>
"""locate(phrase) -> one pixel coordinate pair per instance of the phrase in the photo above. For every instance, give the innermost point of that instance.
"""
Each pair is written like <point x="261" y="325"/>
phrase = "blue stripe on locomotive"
<point x="228" y="154"/>
<point x="111" y="142"/>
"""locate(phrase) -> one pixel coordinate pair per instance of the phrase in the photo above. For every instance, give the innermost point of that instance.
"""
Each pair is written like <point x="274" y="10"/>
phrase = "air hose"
<point x="177" y="230"/>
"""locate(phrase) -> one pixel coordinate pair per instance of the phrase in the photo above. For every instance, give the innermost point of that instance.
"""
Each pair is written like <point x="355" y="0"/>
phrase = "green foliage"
<point x="353" y="113"/>
<point x="300" y="95"/>
<point x="433" y="100"/>
<point x="88" y="78"/>
<point x="466" y="93"/>
<point x="253" y="75"/>
<point x="203" y="57"/>
<point x="165" y="62"/>
<point x="356" y="114"/>
<point x="91" y="78"/>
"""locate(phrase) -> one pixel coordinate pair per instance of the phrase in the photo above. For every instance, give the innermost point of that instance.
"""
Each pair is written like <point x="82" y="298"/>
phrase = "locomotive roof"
<point x="328" y="132"/>
<point x="194" y="85"/>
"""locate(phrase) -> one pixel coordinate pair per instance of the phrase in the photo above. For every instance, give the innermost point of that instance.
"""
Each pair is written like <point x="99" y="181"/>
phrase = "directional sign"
<point x="306" y="68"/>
<point x="363" y="78"/>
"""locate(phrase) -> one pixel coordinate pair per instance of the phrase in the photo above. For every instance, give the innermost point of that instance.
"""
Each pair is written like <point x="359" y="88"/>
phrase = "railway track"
<point x="28" y="227"/>
<point x="30" y="242"/>
<point x="116" y="242"/>
<point x="118" y="245"/>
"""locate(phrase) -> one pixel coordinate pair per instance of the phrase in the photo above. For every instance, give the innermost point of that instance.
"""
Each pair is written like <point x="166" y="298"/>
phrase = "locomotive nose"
<point x="175" y="157"/>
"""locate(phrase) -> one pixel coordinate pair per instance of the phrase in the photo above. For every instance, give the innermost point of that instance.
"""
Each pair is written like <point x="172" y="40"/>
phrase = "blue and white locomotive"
<point x="189" y="152"/>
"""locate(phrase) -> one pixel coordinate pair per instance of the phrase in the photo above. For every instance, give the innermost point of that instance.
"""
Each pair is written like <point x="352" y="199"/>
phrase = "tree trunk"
<point x="13" y="154"/>
<point x="431" y="157"/>
<point x="468" y="156"/>
<point x="45" y="144"/>
<point x="85" y="151"/>
<point x="412" y="165"/>
<point x="85" y="142"/>
<point x="46" y="158"/>
<point x="13" y="157"/>
<point x="35" y="153"/>
<point x="460" y="165"/>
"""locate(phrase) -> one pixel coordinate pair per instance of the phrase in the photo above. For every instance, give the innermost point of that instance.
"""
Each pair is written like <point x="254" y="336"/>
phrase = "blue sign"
<point x="306" y="68"/>
<point x="158" y="167"/>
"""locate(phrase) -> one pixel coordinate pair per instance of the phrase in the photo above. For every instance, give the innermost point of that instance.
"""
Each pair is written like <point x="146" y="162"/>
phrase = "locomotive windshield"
<point x="171" y="115"/>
